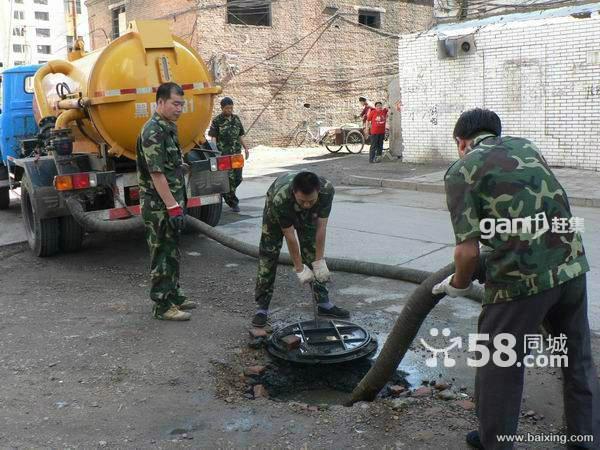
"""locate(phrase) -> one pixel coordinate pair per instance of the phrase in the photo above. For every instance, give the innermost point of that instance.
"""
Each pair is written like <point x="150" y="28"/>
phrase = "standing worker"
<point x="532" y="274"/>
<point x="163" y="198"/>
<point x="296" y="202"/>
<point x="227" y="132"/>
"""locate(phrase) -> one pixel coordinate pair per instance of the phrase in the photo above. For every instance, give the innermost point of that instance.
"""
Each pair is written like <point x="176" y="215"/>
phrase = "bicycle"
<point x="354" y="140"/>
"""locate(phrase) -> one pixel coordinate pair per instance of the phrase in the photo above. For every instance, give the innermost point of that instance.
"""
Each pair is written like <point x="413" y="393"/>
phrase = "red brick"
<point x="291" y="342"/>
<point x="260" y="391"/>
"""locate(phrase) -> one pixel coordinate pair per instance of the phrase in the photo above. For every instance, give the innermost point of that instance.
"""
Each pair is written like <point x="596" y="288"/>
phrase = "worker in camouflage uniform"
<point x="297" y="202"/>
<point x="163" y="199"/>
<point x="228" y="132"/>
<point x="534" y="271"/>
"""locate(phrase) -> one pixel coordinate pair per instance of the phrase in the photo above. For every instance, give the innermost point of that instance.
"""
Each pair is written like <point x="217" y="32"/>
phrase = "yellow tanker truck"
<point x="79" y="171"/>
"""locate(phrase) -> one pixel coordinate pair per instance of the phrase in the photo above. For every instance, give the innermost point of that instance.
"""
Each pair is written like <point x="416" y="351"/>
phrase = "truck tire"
<point x="209" y="214"/>
<point x="4" y="197"/>
<point x="42" y="234"/>
<point x="71" y="234"/>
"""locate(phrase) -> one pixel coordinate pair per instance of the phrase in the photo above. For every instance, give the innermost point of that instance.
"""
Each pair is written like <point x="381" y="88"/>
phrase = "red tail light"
<point x="224" y="163"/>
<point x="80" y="181"/>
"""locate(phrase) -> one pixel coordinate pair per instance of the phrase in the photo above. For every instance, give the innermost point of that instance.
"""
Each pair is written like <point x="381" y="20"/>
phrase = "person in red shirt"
<point x="376" y="121"/>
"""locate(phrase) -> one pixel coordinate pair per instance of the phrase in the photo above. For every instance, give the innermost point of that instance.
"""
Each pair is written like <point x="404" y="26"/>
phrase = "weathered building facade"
<point x="538" y="70"/>
<point x="285" y="53"/>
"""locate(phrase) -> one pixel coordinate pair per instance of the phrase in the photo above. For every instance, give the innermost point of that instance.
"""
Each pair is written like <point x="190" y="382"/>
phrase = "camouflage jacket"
<point x="282" y="209"/>
<point x="499" y="180"/>
<point x="227" y="130"/>
<point x="158" y="151"/>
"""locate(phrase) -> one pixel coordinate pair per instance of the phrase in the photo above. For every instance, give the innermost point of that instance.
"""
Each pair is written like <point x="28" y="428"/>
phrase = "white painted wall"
<point x="542" y="76"/>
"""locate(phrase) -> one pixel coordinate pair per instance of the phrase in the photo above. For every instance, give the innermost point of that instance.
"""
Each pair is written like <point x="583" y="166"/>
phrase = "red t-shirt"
<point x="377" y="120"/>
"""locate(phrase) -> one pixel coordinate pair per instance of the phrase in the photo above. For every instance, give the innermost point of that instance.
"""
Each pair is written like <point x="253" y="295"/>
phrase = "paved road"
<point x="405" y="228"/>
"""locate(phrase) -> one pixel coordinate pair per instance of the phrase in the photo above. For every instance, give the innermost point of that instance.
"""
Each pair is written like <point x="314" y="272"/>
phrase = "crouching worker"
<point x="297" y="202"/>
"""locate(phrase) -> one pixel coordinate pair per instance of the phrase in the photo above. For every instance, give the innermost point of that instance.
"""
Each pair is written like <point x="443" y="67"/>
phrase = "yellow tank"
<point x="107" y="95"/>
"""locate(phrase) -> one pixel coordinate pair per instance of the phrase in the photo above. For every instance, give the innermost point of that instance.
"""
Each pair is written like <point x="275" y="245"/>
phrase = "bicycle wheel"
<point x="301" y="138"/>
<point x="355" y="141"/>
<point x="329" y="142"/>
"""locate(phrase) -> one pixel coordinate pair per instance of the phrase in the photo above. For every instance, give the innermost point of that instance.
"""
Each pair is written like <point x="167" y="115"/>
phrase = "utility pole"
<point x="74" y="12"/>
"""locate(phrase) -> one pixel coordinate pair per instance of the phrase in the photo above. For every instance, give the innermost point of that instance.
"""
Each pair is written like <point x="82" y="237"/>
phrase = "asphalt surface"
<point x="84" y="365"/>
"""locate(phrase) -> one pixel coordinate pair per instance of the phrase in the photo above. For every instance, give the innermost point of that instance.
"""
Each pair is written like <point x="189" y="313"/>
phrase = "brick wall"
<point x="346" y="61"/>
<point x="540" y="76"/>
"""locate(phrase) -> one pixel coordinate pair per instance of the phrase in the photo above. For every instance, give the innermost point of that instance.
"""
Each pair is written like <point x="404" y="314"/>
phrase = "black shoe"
<point x="235" y="209"/>
<point x="473" y="439"/>
<point x="259" y="320"/>
<point x="335" y="312"/>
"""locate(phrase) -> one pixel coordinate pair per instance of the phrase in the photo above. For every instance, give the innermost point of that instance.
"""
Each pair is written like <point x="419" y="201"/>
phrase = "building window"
<point x="40" y="2"/>
<point x="119" y="25"/>
<point x="69" y="43"/>
<point x="42" y="32"/>
<point x="44" y="49"/>
<point x="18" y="48"/>
<point x="42" y="62"/>
<point x="42" y="15"/>
<point x="19" y="31"/>
<point x="369" y="18"/>
<point x="19" y="63"/>
<point x="69" y="5"/>
<point x="19" y="15"/>
<point x="19" y="2"/>
<point x="254" y="12"/>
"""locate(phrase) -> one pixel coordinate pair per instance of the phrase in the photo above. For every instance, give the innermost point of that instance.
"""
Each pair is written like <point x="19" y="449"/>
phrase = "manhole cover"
<point x="323" y="342"/>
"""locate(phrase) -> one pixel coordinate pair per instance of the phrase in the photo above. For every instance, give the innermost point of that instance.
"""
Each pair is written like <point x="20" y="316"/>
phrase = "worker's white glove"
<point x="446" y="288"/>
<point x="306" y="276"/>
<point x="321" y="271"/>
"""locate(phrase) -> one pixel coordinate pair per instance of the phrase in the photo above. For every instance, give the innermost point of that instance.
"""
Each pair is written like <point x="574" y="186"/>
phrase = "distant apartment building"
<point x="37" y="31"/>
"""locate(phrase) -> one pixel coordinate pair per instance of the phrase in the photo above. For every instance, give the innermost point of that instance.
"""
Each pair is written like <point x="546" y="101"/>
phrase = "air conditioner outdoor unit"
<point x="453" y="47"/>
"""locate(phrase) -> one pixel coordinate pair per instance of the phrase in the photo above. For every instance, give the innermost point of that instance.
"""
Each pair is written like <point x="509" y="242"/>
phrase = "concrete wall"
<point x="347" y="61"/>
<point x="540" y="76"/>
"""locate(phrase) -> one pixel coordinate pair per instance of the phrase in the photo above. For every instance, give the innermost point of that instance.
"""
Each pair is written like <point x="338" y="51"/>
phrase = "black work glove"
<point x="176" y="218"/>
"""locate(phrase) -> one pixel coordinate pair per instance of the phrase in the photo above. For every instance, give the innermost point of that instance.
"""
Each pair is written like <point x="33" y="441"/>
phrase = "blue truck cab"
<point x="17" y="121"/>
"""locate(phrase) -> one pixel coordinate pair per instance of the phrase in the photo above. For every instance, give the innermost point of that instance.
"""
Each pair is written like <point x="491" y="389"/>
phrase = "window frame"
<point x="238" y="18"/>
<point x="364" y="12"/>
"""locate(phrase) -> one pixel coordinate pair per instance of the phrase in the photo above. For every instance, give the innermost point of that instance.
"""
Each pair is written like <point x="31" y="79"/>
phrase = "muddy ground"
<point x="83" y="364"/>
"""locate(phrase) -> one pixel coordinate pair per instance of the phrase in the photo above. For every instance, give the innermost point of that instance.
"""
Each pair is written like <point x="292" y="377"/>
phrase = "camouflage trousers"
<point x="271" y="240"/>
<point x="163" y="243"/>
<point x="235" y="179"/>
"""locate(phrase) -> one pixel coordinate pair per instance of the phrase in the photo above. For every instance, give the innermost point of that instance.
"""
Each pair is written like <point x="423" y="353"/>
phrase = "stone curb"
<point x="357" y="180"/>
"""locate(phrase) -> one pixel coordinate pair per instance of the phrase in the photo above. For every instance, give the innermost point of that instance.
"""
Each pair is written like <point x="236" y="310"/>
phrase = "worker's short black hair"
<point x="362" y="99"/>
<point x="306" y="182"/>
<point x="165" y="91"/>
<point x="226" y="101"/>
<point x="476" y="121"/>
<point x="378" y="103"/>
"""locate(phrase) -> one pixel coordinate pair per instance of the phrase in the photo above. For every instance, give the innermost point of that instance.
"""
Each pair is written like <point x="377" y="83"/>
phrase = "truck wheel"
<point x="209" y="214"/>
<point x="4" y="197"/>
<point x="42" y="234"/>
<point x="71" y="234"/>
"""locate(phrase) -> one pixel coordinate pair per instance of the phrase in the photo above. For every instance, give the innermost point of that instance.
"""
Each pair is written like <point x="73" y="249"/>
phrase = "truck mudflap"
<point x="40" y="172"/>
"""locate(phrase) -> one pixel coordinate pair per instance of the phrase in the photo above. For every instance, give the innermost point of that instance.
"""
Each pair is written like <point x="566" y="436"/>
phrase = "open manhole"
<point x="322" y="342"/>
